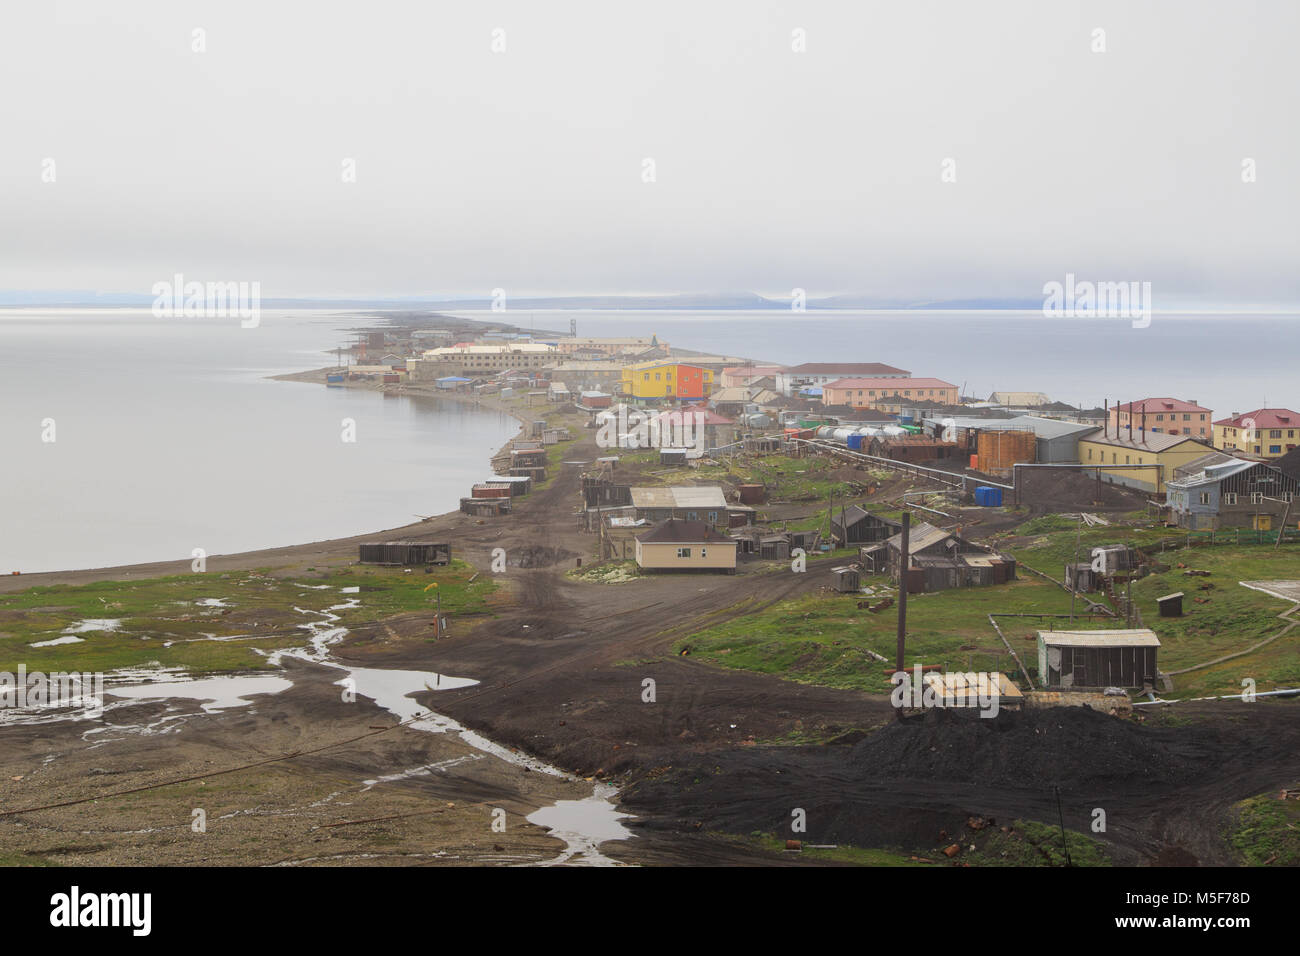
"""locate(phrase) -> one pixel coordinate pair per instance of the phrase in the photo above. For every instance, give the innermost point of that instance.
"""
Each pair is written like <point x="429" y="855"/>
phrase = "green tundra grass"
<point x="824" y="639"/>
<point x="161" y="619"/>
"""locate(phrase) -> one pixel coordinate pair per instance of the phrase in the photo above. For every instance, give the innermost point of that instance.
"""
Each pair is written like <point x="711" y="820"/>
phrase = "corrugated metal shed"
<point x="1124" y="637"/>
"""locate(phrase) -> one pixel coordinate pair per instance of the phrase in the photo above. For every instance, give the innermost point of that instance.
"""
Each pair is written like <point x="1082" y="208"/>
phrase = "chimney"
<point x="1130" y="422"/>
<point x="1105" y="404"/>
<point x="1144" y="423"/>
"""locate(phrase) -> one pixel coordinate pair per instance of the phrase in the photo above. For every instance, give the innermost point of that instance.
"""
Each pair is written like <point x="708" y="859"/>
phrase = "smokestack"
<point x="1130" y="422"/>
<point x="1105" y="404"/>
<point x="1144" y="423"/>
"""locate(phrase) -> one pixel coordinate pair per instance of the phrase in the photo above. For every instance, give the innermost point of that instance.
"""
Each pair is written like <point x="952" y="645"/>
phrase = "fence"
<point x="1193" y="539"/>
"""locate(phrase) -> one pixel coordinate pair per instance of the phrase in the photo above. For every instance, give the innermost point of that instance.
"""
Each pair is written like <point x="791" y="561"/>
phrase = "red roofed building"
<point x="819" y="373"/>
<point x="1263" y="433"/>
<point x="1164" y="416"/>
<point x="867" y="392"/>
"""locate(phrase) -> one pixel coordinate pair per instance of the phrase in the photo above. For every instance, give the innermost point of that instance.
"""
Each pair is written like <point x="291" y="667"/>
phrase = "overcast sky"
<point x="523" y="169"/>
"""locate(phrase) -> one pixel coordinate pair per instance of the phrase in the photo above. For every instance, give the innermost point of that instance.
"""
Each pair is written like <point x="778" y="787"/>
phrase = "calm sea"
<point x="1225" y="362"/>
<point x="169" y="437"/>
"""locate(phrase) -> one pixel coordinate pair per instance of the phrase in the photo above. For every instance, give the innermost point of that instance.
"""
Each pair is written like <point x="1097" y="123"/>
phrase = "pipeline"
<point x="1187" y="700"/>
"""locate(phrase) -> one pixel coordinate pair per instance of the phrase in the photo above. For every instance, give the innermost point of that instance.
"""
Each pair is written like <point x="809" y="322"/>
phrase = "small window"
<point x="704" y="552"/>
<point x="1229" y="497"/>
<point x="1275" y="449"/>
<point x="1205" y="497"/>
<point x="683" y="552"/>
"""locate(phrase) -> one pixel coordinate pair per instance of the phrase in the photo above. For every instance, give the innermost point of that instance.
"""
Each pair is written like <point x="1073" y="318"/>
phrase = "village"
<point x="713" y="586"/>
<point x="712" y="464"/>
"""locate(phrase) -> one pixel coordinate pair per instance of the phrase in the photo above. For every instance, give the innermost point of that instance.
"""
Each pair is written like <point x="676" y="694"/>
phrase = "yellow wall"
<point x="1229" y="438"/>
<point x="658" y="379"/>
<point x="1153" y="478"/>
<point x="663" y="555"/>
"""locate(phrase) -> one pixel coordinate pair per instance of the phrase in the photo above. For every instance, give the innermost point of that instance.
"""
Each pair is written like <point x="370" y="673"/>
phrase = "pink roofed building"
<point x="867" y="392"/>
<point x="1164" y="416"/>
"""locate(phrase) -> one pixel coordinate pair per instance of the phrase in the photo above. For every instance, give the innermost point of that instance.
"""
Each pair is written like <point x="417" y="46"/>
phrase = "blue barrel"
<point x="987" y="497"/>
<point x="855" y="442"/>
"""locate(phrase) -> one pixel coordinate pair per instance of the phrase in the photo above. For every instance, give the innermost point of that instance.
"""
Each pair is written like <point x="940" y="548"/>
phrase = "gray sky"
<point x="523" y="169"/>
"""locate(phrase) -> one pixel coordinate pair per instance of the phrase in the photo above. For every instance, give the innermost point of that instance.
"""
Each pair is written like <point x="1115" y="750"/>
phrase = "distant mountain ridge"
<point x="707" y="301"/>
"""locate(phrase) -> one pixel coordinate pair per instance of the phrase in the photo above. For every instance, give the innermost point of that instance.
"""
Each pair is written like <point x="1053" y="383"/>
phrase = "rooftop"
<point x="894" y="383"/>
<point x="1159" y="405"/>
<point x="675" y="531"/>
<point x="845" y="368"/>
<point x="1263" y="418"/>
<point x="1127" y="637"/>
<point x="703" y="497"/>
<point x="1151" y="441"/>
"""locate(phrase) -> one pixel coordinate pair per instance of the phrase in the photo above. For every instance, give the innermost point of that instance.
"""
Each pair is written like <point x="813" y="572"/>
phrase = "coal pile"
<point x="1052" y="490"/>
<point x="1069" y="746"/>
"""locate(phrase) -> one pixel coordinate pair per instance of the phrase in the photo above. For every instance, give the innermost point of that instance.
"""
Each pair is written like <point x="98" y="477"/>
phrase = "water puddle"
<point x="583" y="825"/>
<point x="93" y="624"/>
<point x="67" y="639"/>
<point x="214" y="693"/>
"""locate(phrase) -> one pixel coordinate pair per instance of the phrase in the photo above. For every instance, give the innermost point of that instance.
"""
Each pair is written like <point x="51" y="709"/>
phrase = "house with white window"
<point x="677" y="545"/>
<point x="1219" y="491"/>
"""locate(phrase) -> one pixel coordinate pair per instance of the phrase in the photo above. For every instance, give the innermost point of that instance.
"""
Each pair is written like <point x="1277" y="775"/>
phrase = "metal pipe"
<point x="1187" y="700"/>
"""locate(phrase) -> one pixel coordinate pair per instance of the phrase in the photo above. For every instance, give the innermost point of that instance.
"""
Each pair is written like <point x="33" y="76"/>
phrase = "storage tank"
<point x="841" y="435"/>
<point x="999" y="450"/>
<point x="825" y="431"/>
<point x="893" y="431"/>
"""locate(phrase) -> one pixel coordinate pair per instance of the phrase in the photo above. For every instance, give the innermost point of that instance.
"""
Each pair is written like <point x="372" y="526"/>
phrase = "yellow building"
<point x="664" y="378"/>
<point x="678" y="545"/>
<point x="1264" y="433"/>
<point x="1159" y="452"/>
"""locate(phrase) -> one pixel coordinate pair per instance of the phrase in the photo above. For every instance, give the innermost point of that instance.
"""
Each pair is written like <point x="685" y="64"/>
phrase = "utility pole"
<point x="437" y="621"/>
<point x="902" y="592"/>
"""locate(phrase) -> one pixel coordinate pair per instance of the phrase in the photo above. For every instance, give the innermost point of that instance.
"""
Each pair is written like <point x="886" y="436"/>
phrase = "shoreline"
<point x="242" y="560"/>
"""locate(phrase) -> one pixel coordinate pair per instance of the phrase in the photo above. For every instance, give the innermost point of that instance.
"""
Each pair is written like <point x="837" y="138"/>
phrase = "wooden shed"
<point x="1171" y="605"/>
<point x="847" y="580"/>
<point x="405" y="553"/>
<point x="1109" y="658"/>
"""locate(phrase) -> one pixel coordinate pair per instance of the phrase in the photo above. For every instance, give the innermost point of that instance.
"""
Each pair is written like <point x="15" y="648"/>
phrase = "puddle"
<point x="212" y="602"/>
<point x="215" y="693"/>
<point x="68" y="639"/>
<point x="583" y="825"/>
<point x="93" y="624"/>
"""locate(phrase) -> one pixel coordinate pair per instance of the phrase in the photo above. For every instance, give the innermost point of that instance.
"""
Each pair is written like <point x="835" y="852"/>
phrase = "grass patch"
<point x="856" y="856"/>
<point x="824" y="639"/>
<point x="163" y="620"/>
<point x="1031" y="843"/>
<point x="1266" y="831"/>
<point x="1227" y="618"/>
